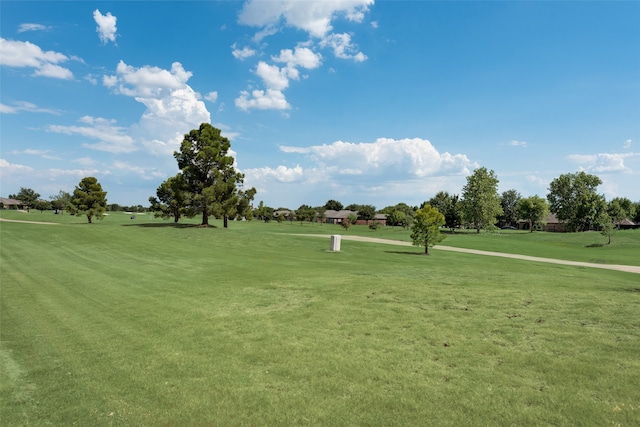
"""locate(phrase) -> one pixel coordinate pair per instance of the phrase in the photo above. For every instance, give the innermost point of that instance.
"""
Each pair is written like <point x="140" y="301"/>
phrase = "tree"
<point x="88" y="199"/>
<point x="619" y="209"/>
<point x="210" y="178"/>
<point x="263" y="212"/>
<point x="60" y="201"/>
<point x="42" y="205"/>
<point x="533" y="209"/>
<point x="172" y="200"/>
<point x="367" y="212"/>
<point x="448" y="206"/>
<point x="574" y="200"/>
<point x="396" y="217"/>
<point x="480" y="201"/>
<point x="509" y="203"/>
<point x="607" y="227"/>
<point x="426" y="227"/>
<point x="333" y="205"/>
<point x="305" y="213"/>
<point x="27" y="196"/>
<point x="322" y="213"/>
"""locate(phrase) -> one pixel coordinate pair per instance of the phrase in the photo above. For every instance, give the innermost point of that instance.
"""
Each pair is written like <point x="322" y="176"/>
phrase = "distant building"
<point x="11" y="203"/>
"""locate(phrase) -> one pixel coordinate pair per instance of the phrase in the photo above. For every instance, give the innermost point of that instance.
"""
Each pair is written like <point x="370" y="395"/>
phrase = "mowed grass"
<point x="139" y="322"/>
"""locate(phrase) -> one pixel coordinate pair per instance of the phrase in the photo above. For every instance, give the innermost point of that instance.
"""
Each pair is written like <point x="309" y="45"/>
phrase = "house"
<point x="11" y="203"/>
<point x="627" y="224"/>
<point x="337" y="217"/>
<point x="550" y="223"/>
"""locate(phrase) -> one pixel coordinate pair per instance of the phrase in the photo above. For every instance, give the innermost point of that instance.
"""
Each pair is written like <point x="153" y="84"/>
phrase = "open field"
<point x="139" y="322"/>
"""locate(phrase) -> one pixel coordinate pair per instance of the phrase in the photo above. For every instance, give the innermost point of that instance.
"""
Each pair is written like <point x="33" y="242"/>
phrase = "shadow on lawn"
<point x="164" y="225"/>
<point x="404" y="253"/>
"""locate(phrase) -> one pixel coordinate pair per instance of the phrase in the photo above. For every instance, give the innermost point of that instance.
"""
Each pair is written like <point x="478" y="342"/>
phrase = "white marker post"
<point x="335" y="243"/>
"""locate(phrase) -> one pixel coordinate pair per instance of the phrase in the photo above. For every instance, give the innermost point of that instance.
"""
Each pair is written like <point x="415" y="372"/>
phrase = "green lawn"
<point x="139" y="322"/>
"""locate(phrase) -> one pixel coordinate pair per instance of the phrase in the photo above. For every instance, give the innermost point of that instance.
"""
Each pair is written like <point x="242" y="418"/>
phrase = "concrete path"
<point x="617" y="267"/>
<point x="28" y="222"/>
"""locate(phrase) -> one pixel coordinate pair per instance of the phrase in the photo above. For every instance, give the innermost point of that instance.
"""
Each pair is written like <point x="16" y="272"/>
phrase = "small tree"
<point x="533" y="209"/>
<point x="426" y="227"/>
<point x="346" y="223"/>
<point x="26" y="196"/>
<point x="607" y="227"/>
<point x="60" y="201"/>
<point x="172" y="200"/>
<point x="89" y="199"/>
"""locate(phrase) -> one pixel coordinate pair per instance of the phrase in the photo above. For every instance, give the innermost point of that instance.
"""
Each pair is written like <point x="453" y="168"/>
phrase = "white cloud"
<point x="602" y="162"/>
<point x="313" y="17"/>
<point x="522" y="144"/>
<point x="25" y="106"/>
<point x="91" y="79"/>
<point x="627" y="144"/>
<point x="172" y="106"/>
<point x="111" y="138"/>
<point x="244" y="53"/>
<point x="262" y="100"/>
<point x="106" y="28"/>
<point x="211" y="96"/>
<point x="10" y="169"/>
<point x="342" y="47"/>
<point x="32" y="27"/>
<point x="25" y="54"/>
<point x="388" y="157"/>
<point x="276" y="79"/>
<point x="409" y="170"/>
<point x="300" y="57"/>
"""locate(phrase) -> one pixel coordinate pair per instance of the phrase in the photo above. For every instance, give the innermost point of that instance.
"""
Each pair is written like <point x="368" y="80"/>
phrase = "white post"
<point x="335" y="243"/>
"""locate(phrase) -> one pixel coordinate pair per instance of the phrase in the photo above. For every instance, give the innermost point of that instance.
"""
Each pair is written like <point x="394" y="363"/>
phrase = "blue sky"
<point x="359" y="101"/>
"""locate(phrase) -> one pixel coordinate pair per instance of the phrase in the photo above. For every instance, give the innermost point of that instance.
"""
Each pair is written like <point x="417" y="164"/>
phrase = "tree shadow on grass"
<point x="404" y="253"/>
<point x="165" y="225"/>
<point x="595" y="245"/>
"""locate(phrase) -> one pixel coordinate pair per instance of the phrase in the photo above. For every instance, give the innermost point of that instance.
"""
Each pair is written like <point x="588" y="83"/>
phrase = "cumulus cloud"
<point x="627" y="144"/>
<point x="405" y="168"/>
<point x="25" y="54"/>
<point x="211" y="96"/>
<point x="9" y="169"/>
<point x="32" y="27"/>
<point x="416" y="157"/>
<point x="244" y="53"/>
<point x="111" y="138"/>
<point x="343" y="47"/>
<point x="106" y="28"/>
<point x="276" y="79"/>
<point x="171" y="104"/>
<point x="262" y="100"/>
<point x="313" y="17"/>
<point x="602" y="162"/>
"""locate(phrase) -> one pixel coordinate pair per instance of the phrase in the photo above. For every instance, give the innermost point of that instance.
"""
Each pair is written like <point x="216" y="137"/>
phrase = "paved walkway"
<point x="617" y="267"/>
<point x="28" y="222"/>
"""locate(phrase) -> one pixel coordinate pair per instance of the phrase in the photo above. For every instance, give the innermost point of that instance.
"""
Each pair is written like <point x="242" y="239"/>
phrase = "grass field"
<point x="139" y="322"/>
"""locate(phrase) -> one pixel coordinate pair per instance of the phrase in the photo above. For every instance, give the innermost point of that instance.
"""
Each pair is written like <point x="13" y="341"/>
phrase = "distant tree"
<point x="448" y="206"/>
<point x="426" y="227"/>
<point x="173" y="198"/>
<point x="321" y="213"/>
<point x="88" y="199"/>
<point x="619" y="209"/>
<point x="374" y="225"/>
<point x="333" y="205"/>
<point x="480" y="201"/>
<point x="352" y="218"/>
<point x="533" y="209"/>
<point x="27" y="196"/>
<point x="305" y="213"/>
<point x="366" y="213"/>
<point x="606" y="225"/>
<point x="509" y="203"/>
<point x="60" y="201"/>
<point x="42" y="205"/>
<point x="348" y="222"/>
<point x="574" y="200"/>
<point x="396" y="217"/>
<point x="263" y="212"/>
<point x="636" y="213"/>
<point x="212" y="181"/>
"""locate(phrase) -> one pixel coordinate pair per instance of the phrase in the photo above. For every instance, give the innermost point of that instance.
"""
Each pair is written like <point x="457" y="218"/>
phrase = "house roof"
<point x="341" y="214"/>
<point x="7" y="201"/>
